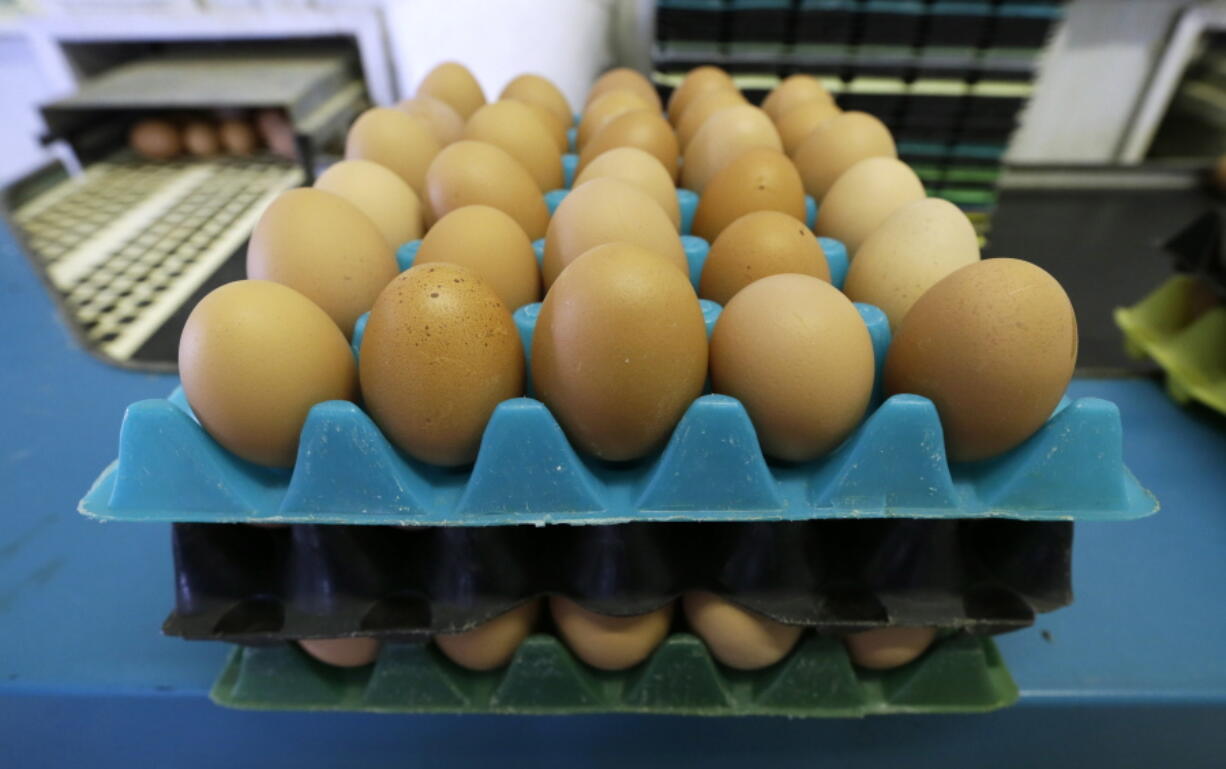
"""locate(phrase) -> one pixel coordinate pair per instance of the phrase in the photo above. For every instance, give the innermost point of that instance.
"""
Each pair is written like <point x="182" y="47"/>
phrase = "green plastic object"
<point x="1172" y="327"/>
<point x="959" y="674"/>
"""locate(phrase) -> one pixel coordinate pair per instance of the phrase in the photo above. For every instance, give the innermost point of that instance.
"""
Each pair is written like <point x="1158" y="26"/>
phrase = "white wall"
<point x="24" y="87"/>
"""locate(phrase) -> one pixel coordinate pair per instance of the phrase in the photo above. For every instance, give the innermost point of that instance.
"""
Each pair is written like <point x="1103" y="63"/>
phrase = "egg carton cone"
<point x="959" y="674"/>
<point x="1173" y="327"/>
<point x="256" y="585"/>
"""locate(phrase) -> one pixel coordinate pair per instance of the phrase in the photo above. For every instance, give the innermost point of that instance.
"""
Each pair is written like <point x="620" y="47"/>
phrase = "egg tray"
<point x="251" y="584"/>
<point x="959" y="674"/>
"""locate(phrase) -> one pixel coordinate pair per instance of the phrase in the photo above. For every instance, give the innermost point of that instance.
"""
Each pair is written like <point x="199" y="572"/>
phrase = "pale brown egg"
<point x="634" y="166"/>
<point x="756" y="245"/>
<point x="620" y="350"/>
<point x="910" y="252"/>
<point x="439" y="353"/>
<point x="697" y="82"/>
<point x="452" y="83"/>
<point x="737" y="637"/>
<point x="237" y="135"/>
<point x="761" y="179"/>
<point x="888" y="647"/>
<point x="342" y="652"/>
<point x="491" y="244"/>
<point x="155" y="139"/>
<point x="445" y="123"/>
<point x="516" y="128"/>
<point x="722" y="139"/>
<point x="380" y="194"/>
<point x="774" y="348"/>
<point x="837" y="144"/>
<point x="277" y="132"/>
<point x="554" y="127"/>
<point x="701" y="109"/>
<point x="200" y="138"/>
<point x="395" y="140"/>
<point x="607" y="642"/>
<point x="796" y="124"/>
<point x="538" y="90"/>
<point x="640" y="128"/>
<point x="322" y="246"/>
<point x="491" y="644"/>
<point x="608" y="210"/>
<point x="993" y="345"/>
<point x="794" y="91"/>
<point x="477" y="173"/>
<point x="603" y="109"/>
<point x="864" y="197"/>
<point x="254" y="357"/>
<point x="625" y="79"/>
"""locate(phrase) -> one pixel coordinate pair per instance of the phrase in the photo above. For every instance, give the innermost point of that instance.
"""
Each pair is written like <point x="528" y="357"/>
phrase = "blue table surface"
<point x="1132" y="671"/>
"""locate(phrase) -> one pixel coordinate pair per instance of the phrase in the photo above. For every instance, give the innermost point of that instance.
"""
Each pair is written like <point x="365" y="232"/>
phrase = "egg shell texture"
<point x="452" y="83"/>
<point x="864" y="197"/>
<point x="702" y="108"/>
<point x="759" y="244"/>
<point x="639" y="168"/>
<point x="698" y="81"/>
<point x="491" y="244"/>
<point x="722" y="139"/>
<point x="478" y="173"/>
<point x="379" y="193"/>
<point x="761" y="179"/>
<point x="395" y="140"/>
<point x="639" y="128"/>
<point x="538" y="90"/>
<point x="624" y="78"/>
<point x="516" y="128"/>
<point x="837" y="144"/>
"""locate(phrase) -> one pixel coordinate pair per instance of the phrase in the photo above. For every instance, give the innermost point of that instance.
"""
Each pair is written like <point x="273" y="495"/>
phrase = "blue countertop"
<point x="1130" y="675"/>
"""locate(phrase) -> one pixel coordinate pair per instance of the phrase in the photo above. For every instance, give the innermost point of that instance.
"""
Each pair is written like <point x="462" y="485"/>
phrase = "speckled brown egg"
<point x="534" y="89"/>
<point x="737" y="637"/>
<point x="620" y="350"/>
<point x="516" y="128"/>
<point x="603" y="109"/>
<point x="837" y="144"/>
<point x="756" y="245"/>
<point x="776" y="348"/>
<point x="254" y="357"/>
<point x="603" y="211"/>
<point x="477" y="173"/>
<point x="910" y="252"/>
<point x="700" y="111"/>
<point x="444" y="122"/>
<point x="491" y="644"/>
<point x="793" y="91"/>
<point x="440" y="352"/>
<point x="634" y="166"/>
<point x="645" y="130"/>
<point x="864" y="197"/>
<point x="993" y="345"/>
<point x="761" y="179"/>
<point x="452" y="83"/>
<point x="625" y="79"/>
<point x="155" y="139"/>
<point x="322" y="246"/>
<point x="606" y="642"/>
<point x="698" y="81"/>
<point x="491" y="244"/>
<point x="395" y="140"/>
<point x="722" y="139"/>
<point x="796" y="124"/>
<point x="380" y="194"/>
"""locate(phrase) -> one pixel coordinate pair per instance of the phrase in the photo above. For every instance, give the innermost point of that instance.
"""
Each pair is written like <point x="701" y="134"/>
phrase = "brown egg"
<point x="737" y="637"/>
<point x="602" y="110"/>
<point x="396" y="141"/>
<point x="452" y="83"/>
<point x="342" y="652"/>
<point x="155" y="139"/>
<point x="608" y="211"/>
<point x="620" y="350"/>
<point x="796" y="124"/>
<point x="477" y="173"/>
<point x="837" y="144"/>
<point x="761" y="179"/>
<point x="491" y="244"/>
<point x="993" y="345"/>
<point x="440" y="351"/>
<point x="640" y="128"/>
<point x="445" y="123"/>
<point x="515" y="128"/>
<point x="756" y="245"/>
<point x="625" y="79"/>
<point x="606" y="642"/>
<point x="238" y="137"/>
<point x="699" y="81"/>
<point x="380" y="194"/>
<point x="634" y="166"/>
<point x="794" y="91"/>
<point x="277" y="132"/>
<point x="322" y="246"/>
<point x="554" y="127"/>
<point x="701" y="109"/>
<point x="534" y="89"/>
<point x="254" y="357"/>
<point x="200" y="138"/>
<point x="491" y="644"/>
<point x="864" y="197"/>
<point x="888" y="647"/>
<point x="910" y="252"/>
<point x="774" y="348"/>
<point x="722" y="139"/>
